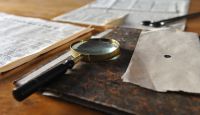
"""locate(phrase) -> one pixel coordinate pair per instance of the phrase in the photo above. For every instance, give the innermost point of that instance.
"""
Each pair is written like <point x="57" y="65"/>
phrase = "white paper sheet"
<point x="102" y="3"/>
<point x="21" y="37"/>
<point x="155" y="10"/>
<point x="98" y="12"/>
<point x="123" y="4"/>
<point x="89" y="16"/>
<point x="166" y="60"/>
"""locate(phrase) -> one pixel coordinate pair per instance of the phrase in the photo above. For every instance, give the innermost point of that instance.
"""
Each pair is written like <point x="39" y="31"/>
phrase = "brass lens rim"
<point x="101" y="57"/>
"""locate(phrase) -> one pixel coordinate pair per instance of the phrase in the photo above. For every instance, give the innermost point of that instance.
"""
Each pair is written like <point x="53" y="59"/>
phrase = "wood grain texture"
<point x="37" y="104"/>
<point x="45" y="9"/>
<point x="193" y="25"/>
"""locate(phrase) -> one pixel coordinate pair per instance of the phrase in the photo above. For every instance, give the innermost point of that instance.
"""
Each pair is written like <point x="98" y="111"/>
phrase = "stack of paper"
<point x="105" y="12"/>
<point x="93" y="17"/>
<point x="23" y="39"/>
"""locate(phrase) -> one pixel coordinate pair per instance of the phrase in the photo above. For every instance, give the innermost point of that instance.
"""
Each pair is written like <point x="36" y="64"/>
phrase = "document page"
<point x="97" y="13"/>
<point x="24" y="38"/>
<point x="103" y="3"/>
<point x="101" y="12"/>
<point x="97" y="17"/>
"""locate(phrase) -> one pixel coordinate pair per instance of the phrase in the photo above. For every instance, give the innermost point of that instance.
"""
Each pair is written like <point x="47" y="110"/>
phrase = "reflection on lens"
<point x="95" y="47"/>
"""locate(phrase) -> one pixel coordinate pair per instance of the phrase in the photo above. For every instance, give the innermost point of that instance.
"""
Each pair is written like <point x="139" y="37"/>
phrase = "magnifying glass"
<point x="91" y="50"/>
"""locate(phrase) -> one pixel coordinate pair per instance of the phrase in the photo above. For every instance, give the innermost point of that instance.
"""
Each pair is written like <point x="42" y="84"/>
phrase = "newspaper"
<point x="89" y="16"/>
<point x="166" y="60"/>
<point x="24" y="38"/>
<point x="100" y="11"/>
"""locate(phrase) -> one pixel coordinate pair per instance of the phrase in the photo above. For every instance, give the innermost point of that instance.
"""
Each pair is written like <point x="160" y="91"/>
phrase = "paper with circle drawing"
<point x="166" y="60"/>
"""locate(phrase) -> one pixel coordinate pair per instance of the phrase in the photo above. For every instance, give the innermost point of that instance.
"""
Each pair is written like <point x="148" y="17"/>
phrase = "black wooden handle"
<point x="193" y="15"/>
<point x="22" y="92"/>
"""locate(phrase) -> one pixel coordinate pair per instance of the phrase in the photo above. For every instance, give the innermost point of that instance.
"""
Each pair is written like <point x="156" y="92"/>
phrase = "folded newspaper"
<point x="23" y="39"/>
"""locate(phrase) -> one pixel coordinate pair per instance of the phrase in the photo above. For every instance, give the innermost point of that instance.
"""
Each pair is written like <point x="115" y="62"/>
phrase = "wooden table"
<point x="41" y="105"/>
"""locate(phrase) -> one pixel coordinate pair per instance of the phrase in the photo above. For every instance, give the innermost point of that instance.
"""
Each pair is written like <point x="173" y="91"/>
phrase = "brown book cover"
<point x="99" y="86"/>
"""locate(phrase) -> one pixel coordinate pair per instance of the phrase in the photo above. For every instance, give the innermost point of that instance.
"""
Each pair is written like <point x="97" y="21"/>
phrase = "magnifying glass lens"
<point x="95" y="47"/>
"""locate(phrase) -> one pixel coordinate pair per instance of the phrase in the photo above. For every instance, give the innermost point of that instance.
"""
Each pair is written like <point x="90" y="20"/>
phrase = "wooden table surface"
<point x="41" y="105"/>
